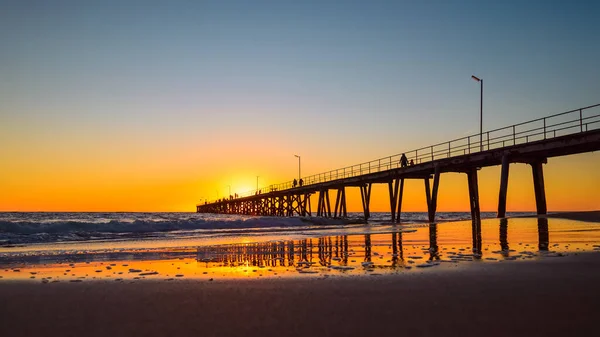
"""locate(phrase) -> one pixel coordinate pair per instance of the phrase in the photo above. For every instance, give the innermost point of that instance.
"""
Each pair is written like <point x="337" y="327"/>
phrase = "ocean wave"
<point x="47" y="227"/>
<point x="22" y="231"/>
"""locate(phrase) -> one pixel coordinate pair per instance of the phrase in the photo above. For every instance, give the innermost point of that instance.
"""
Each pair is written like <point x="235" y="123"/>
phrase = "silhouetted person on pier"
<point x="294" y="183"/>
<point x="412" y="162"/>
<point x="301" y="182"/>
<point x="403" y="160"/>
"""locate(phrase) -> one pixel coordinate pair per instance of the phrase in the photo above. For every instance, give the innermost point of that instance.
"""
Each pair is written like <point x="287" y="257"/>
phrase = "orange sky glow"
<point x="177" y="183"/>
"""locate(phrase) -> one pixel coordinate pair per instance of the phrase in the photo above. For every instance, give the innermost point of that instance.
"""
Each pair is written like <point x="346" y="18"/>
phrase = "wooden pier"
<point x="532" y="142"/>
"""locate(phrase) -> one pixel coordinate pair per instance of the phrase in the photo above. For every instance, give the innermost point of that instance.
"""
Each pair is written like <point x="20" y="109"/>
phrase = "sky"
<point x="157" y="105"/>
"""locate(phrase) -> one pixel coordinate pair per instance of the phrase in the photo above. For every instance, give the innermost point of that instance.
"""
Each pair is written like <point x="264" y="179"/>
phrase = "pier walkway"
<point x="532" y="142"/>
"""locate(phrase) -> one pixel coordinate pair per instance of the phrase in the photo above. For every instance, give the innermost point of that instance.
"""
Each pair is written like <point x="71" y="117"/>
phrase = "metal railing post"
<point x="544" y="127"/>
<point x="580" y="121"/>
<point x="514" y="136"/>
<point x="432" y="153"/>
<point x="469" y="143"/>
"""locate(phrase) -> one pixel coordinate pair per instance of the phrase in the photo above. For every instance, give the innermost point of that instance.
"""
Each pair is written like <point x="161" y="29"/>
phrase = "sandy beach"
<point x="551" y="297"/>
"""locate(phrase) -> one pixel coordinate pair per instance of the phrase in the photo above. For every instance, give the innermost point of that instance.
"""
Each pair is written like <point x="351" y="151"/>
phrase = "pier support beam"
<point x="431" y="196"/>
<point x="289" y="211"/>
<point x="340" y="204"/>
<point x="393" y="188"/>
<point x="307" y="209"/>
<point x="503" y="187"/>
<point x="432" y="199"/>
<point x="538" y="185"/>
<point x="473" y="194"/>
<point x="324" y="207"/>
<point x="400" y="192"/>
<point x="365" y="195"/>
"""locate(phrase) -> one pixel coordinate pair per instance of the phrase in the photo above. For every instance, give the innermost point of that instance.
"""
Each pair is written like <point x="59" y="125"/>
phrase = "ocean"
<point x="74" y="246"/>
<point x="22" y="228"/>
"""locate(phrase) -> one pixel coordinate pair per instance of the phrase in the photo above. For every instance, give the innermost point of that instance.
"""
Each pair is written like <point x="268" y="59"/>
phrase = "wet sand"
<point x="589" y="216"/>
<point x="550" y="297"/>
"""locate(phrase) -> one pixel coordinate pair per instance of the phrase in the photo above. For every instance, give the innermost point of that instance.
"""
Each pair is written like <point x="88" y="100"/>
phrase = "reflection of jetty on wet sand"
<point x="370" y="251"/>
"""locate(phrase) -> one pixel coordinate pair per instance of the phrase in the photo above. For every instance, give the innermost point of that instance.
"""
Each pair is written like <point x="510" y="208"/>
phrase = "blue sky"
<point x="341" y="81"/>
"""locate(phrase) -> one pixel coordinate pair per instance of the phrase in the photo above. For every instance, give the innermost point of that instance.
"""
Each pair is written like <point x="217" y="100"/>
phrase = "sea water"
<point x="25" y="228"/>
<point x="116" y="246"/>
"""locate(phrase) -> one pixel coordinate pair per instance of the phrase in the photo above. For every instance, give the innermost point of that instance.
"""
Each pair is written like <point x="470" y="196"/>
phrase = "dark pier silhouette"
<point x="532" y="143"/>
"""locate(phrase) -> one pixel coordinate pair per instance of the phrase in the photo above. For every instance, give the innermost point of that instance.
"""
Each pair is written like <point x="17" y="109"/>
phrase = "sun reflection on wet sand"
<point x="423" y="247"/>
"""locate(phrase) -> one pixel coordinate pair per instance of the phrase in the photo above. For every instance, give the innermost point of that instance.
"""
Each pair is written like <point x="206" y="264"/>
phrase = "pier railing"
<point x="566" y="123"/>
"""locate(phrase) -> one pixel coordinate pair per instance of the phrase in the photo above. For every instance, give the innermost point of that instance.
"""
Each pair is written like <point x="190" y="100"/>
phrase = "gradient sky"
<point x="151" y="106"/>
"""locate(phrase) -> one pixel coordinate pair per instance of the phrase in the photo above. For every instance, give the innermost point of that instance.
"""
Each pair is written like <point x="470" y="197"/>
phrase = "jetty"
<point x="532" y="142"/>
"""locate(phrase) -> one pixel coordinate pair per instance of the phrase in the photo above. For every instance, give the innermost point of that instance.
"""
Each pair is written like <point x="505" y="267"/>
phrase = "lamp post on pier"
<point x="480" y="80"/>
<point x="299" y="175"/>
<point x="257" y="183"/>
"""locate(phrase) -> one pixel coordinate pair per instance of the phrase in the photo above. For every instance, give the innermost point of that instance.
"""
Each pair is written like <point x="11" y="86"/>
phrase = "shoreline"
<point x="549" y="297"/>
<point x="585" y="216"/>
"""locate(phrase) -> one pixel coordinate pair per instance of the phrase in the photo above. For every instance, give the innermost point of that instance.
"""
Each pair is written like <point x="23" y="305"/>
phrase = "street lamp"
<point x="257" y="183"/>
<point x="299" y="175"/>
<point x="480" y="80"/>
